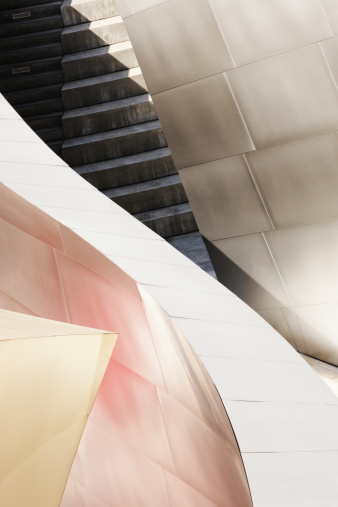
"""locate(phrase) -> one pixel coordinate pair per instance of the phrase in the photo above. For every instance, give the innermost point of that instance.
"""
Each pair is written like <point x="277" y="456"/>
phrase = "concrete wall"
<point x="246" y="92"/>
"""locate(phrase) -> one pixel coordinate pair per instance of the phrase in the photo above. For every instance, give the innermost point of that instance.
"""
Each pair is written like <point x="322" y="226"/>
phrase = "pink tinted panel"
<point x="87" y="498"/>
<point x="79" y="249"/>
<point x="180" y="494"/>
<point x="94" y="301"/>
<point x="119" y="475"/>
<point x="185" y="376"/>
<point x="128" y="407"/>
<point x="27" y="217"/>
<point x="28" y="273"/>
<point x="209" y="464"/>
<point x="8" y="303"/>
<point x="70" y="496"/>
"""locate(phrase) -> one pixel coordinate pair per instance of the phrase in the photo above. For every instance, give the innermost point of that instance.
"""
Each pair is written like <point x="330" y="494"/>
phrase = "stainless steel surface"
<point x="256" y="278"/>
<point x="206" y="125"/>
<point x="249" y="107"/>
<point x="298" y="181"/>
<point x="263" y="28"/>
<point x="170" y="50"/>
<point x="229" y="185"/>
<point x="290" y="96"/>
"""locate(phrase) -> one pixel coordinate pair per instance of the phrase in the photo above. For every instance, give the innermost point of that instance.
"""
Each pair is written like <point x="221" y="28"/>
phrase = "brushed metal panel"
<point x="224" y="199"/>
<point x="307" y="260"/>
<point x="177" y="358"/>
<point x="203" y="460"/>
<point x="276" y="319"/>
<point x="293" y="324"/>
<point x="129" y="7"/>
<point x="92" y="298"/>
<point x="178" y="42"/>
<point x="253" y="275"/>
<point x="21" y="214"/>
<point x="286" y="97"/>
<point x="29" y="274"/>
<point x="319" y="324"/>
<point x="118" y="474"/>
<point x="331" y="10"/>
<point x="180" y="493"/>
<point x="202" y="122"/>
<point x="298" y="181"/>
<point x="330" y="50"/>
<point x="128" y="407"/>
<point x="263" y="28"/>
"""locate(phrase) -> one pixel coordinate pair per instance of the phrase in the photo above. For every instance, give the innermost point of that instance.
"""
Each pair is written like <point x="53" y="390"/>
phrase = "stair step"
<point x="170" y="221"/>
<point x="108" y="116"/>
<point x="192" y="246"/>
<point x="99" y="89"/>
<point x="45" y="121"/>
<point x="8" y="4"/>
<point x="114" y="143"/>
<point x="128" y="170"/>
<point x="80" y="11"/>
<point x="41" y="107"/>
<point x="32" y="53"/>
<point x="30" y="40"/>
<point x="30" y="67"/>
<point x="30" y="26"/>
<point x="31" y="12"/>
<point x="50" y="134"/>
<point x="56" y="146"/>
<point x="34" y="94"/>
<point x="95" y="34"/>
<point x="99" y="61"/>
<point x="149" y="195"/>
<point x="27" y="81"/>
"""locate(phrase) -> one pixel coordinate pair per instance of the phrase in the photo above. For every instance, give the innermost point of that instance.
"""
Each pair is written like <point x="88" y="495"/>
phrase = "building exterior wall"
<point x="283" y="416"/>
<point x="246" y="92"/>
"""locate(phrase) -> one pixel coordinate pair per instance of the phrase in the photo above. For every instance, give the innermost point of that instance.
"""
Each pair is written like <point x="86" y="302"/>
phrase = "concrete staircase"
<point x="70" y="71"/>
<point x="30" y="71"/>
<point x="112" y="134"/>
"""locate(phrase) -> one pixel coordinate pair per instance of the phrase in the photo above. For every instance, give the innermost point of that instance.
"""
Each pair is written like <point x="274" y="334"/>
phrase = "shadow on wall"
<point x="292" y="323"/>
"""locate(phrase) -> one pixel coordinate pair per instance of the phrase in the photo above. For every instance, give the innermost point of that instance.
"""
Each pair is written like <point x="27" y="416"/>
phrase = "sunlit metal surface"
<point x="257" y="147"/>
<point x="50" y="374"/>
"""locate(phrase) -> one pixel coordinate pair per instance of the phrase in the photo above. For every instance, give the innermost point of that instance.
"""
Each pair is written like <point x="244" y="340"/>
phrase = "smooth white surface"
<point x="273" y="430"/>
<point x="252" y="380"/>
<point x="305" y="479"/>
<point x="220" y="339"/>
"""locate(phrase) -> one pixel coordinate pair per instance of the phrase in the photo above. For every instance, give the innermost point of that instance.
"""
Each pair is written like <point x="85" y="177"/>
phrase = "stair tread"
<point x="92" y="25"/>
<point x="105" y="78"/>
<point x="33" y="6"/>
<point x="31" y="62"/>
<point x="107" y="106"/>
<point x="144" y="186"/>
<point x="111" y="134"/>
<point x="32" y="34"/>
<point x="91" y="53"/>
<point x="42" y="116"/>
<point x="123" y="161"/>
<point x="176" y="209"/>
